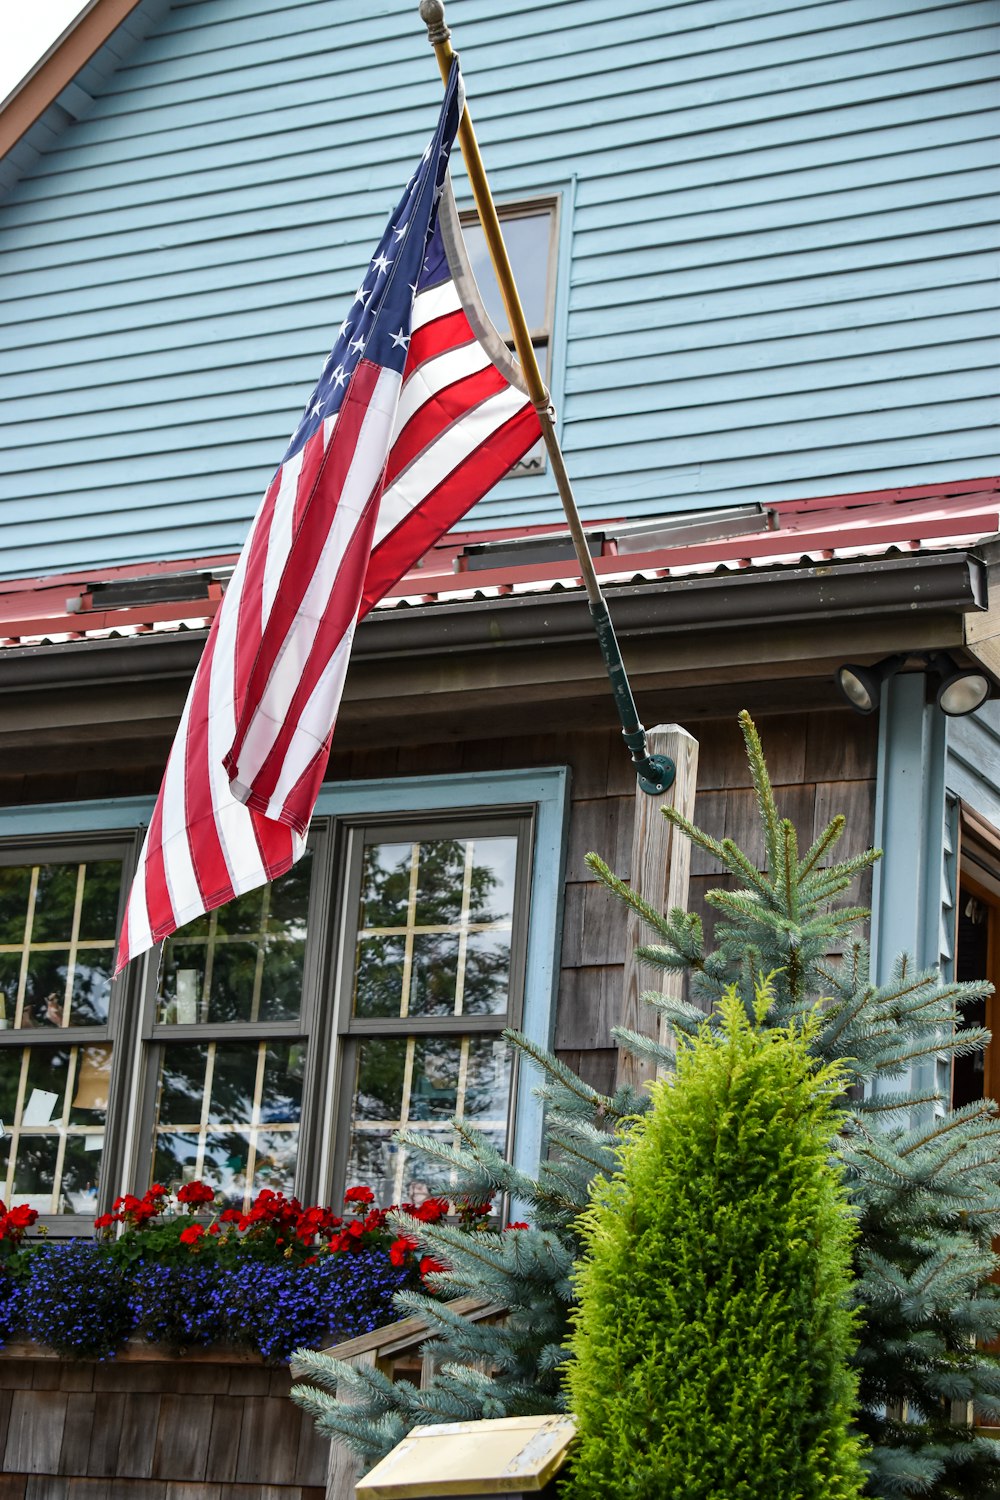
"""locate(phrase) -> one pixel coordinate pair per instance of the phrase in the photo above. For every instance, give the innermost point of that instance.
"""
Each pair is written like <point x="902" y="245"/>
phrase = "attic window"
<point x="531" y="232"/>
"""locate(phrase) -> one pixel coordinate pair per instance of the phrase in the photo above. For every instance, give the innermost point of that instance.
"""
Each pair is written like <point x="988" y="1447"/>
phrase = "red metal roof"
<point x="837" y="528"/>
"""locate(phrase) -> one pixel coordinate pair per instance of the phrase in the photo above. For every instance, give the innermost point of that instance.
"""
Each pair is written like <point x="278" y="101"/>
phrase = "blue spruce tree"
<point x="924" y="1181"/>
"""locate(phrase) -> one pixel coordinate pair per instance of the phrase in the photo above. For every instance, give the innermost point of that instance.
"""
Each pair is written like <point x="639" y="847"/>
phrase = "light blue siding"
<point x="778" y="270"/>
<point x="974" y="761"/>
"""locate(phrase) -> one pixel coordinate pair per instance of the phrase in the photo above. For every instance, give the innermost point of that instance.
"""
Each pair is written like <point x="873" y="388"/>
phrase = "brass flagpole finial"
<point x="432" y="15"/>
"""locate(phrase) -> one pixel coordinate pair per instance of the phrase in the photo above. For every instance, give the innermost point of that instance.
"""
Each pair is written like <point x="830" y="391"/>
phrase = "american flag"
<point x="418" y="412"/>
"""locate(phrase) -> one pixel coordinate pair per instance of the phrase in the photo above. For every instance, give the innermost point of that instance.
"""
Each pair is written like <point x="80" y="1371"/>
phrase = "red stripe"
<point x="439" y="412"/>
<point x="450" y="331"/>
<point x="317" y="511"/>
<point x="457" y="493"/>
<point x="207" y="856"/>
<point x="249" y="622"/>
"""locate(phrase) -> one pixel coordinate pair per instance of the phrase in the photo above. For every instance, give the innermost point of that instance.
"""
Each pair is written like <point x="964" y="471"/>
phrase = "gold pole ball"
<point x="432" y="15"/>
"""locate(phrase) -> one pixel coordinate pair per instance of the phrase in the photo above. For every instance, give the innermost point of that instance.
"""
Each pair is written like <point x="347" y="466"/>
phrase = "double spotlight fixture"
<point x="957" y="690"/>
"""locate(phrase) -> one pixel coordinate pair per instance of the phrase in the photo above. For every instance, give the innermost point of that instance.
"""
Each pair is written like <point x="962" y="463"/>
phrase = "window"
<point x="281" y="1040"/>
<point x="531" y="234"/>
<point x="432" y="973"/>
<point x="59" y="1014"/>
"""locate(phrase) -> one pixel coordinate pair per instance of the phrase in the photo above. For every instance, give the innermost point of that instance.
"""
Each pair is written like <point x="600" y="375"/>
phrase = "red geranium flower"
<point x="195" y="1193"/>
<point x="518" y="1226"/>
<point x="362" y="1195"/>
<point x="431" y="1210"/>
<point x="192" y="1234"/>
<point x="428" y="1265"/>
<point x="400" y="1248"/>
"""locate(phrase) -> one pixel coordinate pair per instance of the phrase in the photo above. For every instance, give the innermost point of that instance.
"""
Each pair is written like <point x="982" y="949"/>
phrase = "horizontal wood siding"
<point x="777" y="269"/>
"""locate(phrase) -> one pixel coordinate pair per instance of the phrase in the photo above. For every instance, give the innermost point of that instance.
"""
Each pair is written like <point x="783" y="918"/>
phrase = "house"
<point x="757" y="251"/>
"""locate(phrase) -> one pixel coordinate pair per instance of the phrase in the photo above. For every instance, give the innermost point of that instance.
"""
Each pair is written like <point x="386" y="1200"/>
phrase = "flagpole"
<point x="655" y="773"/>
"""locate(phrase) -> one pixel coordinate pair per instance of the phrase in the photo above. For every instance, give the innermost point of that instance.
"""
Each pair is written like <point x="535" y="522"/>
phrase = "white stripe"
<point x="433" y="303"/>
<point x="139" y="935"/>
<point x="442" y="456"/>
<point x="233" y="821"/>
<point x="279" y="538"/>
<point x="314" y="723"/>
<point x="367" y="463"/>
<point x="427" y="379"/>
<point x="178" y="868"/>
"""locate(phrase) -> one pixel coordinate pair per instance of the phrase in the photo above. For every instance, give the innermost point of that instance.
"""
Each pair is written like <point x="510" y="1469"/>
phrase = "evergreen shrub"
<point x="712" y="1335"/>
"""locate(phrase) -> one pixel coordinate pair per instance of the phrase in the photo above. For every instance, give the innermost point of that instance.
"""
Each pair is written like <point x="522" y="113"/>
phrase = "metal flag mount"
<point x="655" y="772"/>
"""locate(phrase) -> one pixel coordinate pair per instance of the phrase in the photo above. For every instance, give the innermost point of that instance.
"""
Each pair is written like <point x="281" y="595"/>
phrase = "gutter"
<point x="952" y="582"/>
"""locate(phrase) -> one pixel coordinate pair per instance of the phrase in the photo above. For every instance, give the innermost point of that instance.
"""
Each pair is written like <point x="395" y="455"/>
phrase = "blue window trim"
<point x="546" y="790"/>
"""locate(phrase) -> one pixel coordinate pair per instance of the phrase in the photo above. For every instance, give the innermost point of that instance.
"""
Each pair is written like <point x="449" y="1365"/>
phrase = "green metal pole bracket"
<point x="655" y="773"/>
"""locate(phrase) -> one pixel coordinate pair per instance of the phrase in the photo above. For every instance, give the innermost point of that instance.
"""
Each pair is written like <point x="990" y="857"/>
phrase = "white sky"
<point x="27" y="29"/>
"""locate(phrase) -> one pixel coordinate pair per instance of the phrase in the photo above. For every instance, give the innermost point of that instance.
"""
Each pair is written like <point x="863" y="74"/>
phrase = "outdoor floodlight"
<point x="959" y="690"/>
<point x="862" y="686"/>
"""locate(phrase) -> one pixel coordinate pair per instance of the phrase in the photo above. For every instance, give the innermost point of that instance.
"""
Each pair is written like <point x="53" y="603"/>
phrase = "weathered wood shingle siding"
<point x="778" y="260"/>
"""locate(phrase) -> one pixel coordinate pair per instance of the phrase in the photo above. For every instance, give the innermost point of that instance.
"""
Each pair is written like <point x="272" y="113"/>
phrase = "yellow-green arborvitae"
<point x="711" y="1343"/>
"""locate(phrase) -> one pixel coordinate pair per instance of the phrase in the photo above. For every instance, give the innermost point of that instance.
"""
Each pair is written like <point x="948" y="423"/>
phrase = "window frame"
<point x="350" y="1030"/>
<point x="26" y="831"/>
<point x="527" y="206"/>
<point x="69" y="846"/>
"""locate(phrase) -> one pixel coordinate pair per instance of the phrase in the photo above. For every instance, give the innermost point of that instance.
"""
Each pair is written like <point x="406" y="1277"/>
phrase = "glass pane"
<point x="435" y="1082"/>
<point x="234" y="980"/>
<point x="244" y="915"/>
<point x="378" y="1089"/>
<point x="378" y="977"/>
<point x="385" y="884"/>
<point x="281" y="980"/>
<point x="55" y="904"/>
<point x="487" y="1083"/>
<point x="182" y="987"/>
<point x="54" y="1103"/>
<point x="494" y="866"/>
<point x="434" y="974"/>
<point x="440" y="882"/>
<point x="91" y="987"/>
<point x="10" y="975"/>
<point x="487" y="974"/>
<point x="45" y="988"/>
<point x="243" y="962"/>
<point x="14" y="887"/>
<point x="527" y="239"/>
<point x="99" y="908"/>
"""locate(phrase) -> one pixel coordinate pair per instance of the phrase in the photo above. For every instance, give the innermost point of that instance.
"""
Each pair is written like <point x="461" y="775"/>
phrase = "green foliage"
<point x="712" y="1335"/>
<point x="924" y="1182"/>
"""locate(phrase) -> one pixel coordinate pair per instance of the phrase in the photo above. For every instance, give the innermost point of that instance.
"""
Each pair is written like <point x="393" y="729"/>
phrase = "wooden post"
<point x="661" y="869"/>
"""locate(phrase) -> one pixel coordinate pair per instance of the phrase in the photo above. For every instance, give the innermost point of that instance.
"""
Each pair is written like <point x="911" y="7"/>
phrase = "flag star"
<point x="400" y="232"/>
<point x="413" y="287"/>
<point x="356" y="344"/>
<point x="342" y="331"/>
<point x="400" y="340"/>
<point x="382" y="264"/>
<point x="361" y="295"/>
<point x="317" y="408"/>
<point x="339" y="375"/>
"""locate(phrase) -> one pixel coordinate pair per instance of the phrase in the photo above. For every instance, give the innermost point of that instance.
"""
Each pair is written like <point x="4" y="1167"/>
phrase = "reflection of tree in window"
<point x="410" y="888"/>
